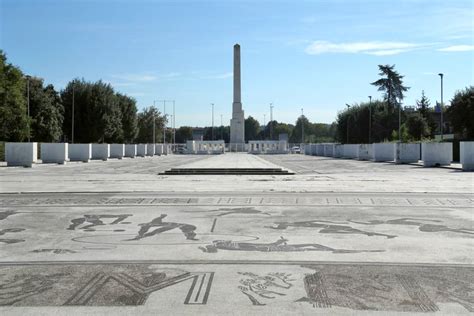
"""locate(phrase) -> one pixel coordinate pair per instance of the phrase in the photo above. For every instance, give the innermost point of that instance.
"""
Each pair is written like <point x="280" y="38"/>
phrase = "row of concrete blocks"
<point x="25" y="154"/>
<point x="432" y="154"/>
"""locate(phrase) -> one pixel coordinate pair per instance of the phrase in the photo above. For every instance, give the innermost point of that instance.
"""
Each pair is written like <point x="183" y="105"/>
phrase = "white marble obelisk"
<point x="237" y="123"/>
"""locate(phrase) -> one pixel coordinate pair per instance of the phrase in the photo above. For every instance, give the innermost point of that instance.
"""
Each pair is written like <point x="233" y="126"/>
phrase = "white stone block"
<point x="141" y="150"/>
<point x="338" y="150"/>
<point x="364" y="152"/>
<point x="130" y="150"/>
<point x="383" y="152"/>
<point x="117" y="151"/>
<point x="150" y="149"/>
<point x="436" y="154"/>
<point x="351" y="151"/>
<point x="54" y="153"/>
<point x="159" y="149"/>
<point x="329" y="150"/>
<point x="79" y="152"/>
<point x="308" y="149"/>
<point x="100" y="151"/>
<point x="319" y="149"/>
<point x="406" y="153"/>
<point x="21" y="154"/>
<point x="467" y="155"/>
<point x="190" y="147"/>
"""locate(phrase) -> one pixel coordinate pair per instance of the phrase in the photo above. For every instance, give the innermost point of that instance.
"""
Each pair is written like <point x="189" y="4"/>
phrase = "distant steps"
<point x="226" y="171"/>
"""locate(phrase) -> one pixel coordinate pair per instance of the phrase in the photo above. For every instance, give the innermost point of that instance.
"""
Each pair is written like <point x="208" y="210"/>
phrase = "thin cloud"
<point x="120" y="84"/>
<point x="137" y="94"/>
<point x="457" y="48"/>
<point x="135" y="77"/>
<point x="372" y="48"/>
<point x="170" y="75"/>
<point x="220" y="76"/>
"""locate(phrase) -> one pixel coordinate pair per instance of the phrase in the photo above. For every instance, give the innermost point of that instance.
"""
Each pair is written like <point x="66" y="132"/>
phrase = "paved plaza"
<point x="337" y="237"/>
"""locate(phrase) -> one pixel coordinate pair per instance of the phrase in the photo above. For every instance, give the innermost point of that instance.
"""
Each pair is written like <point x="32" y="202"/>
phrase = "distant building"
<point x="198" y="133"/>
<point x="283" y="137"/>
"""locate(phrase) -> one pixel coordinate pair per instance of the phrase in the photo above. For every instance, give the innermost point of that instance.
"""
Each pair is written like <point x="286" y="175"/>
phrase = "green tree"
<point x="391" y="84"/>
<point x="145" y="125"/>
<point x="295" y="136"/>
<point x="424" y="108"/>
<point x="252" y="128"/>
<point x="461" y="112"/>
<point x="13" y="108"/>
<point x="281" y="128"/>
<point x="46" y="111"/>
<point x="128" y="115"/>
<point x="183" y="134"/>
<point x="423" y="105"/>
<point x="417" y="126"/>
<point x="353" y="123"/>
<point x="97" y="113"/>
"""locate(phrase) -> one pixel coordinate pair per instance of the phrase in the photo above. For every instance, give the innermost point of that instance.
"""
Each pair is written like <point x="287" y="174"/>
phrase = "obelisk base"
<point x="237" y="130"/>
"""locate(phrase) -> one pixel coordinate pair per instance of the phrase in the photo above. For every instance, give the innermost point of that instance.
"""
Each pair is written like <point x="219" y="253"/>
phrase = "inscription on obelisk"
<point x="237" y="123"/>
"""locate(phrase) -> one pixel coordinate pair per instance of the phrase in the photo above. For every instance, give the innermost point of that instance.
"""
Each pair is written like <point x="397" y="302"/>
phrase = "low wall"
<point x="364" y="152"/>
<point x="329" y="150"/>
<point x="167" y="149"/>
<point x="306" y="149"/>
<point x="406" y="153"/>
<point x="350" y="151"/>
<point x="130" y="150"/>
<point x="467" y="156"/>
<point x="117" y="151"/>
<point x="21" y="154"/>
<point x="319" y="150"/>
<point x="436" y="154"/>
<point x="54" y="153"/>
<point x="268" y="147"/>
<point x="141" y="150"/>
<point x="150" y="149"/>
<point x="159" y="149"/>
<point x="100" y="151"/>
<point x="80" y="152"/>
<point x="338" y="151"/>
<point x="383" y="152"/>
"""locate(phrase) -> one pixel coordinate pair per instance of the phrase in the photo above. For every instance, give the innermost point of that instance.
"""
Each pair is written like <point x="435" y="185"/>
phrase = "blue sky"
<point x="316" y="55"/>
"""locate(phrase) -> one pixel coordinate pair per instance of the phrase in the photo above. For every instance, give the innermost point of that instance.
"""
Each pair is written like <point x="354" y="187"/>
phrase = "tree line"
<point x="378" y="120"/>
<point x="100" y="113"/>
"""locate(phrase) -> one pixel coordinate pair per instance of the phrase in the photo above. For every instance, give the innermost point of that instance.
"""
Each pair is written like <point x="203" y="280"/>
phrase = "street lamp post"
<point x="174" y="125"/>
<point x="264" y="126"/>
<point x="441" y="109"/>
<point x="164" y="122"/>
<point x="400" y="122"/>
<point x="347" y="125"/>
<point x="222" y="129"/>
<point x="370" y="119"/>
<point x="171" y="117"/>
<point x="154" y="120"/>
<point x="302" y="126"/>
<point x="271" y="120"/>
<point x="28" y="101"/>
<point x="72" y="123"/>
<point x="212" y="128"/>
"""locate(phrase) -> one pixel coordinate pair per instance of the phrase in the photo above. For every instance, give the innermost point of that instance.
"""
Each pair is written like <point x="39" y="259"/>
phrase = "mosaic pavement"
<point x="267" y="247"/>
